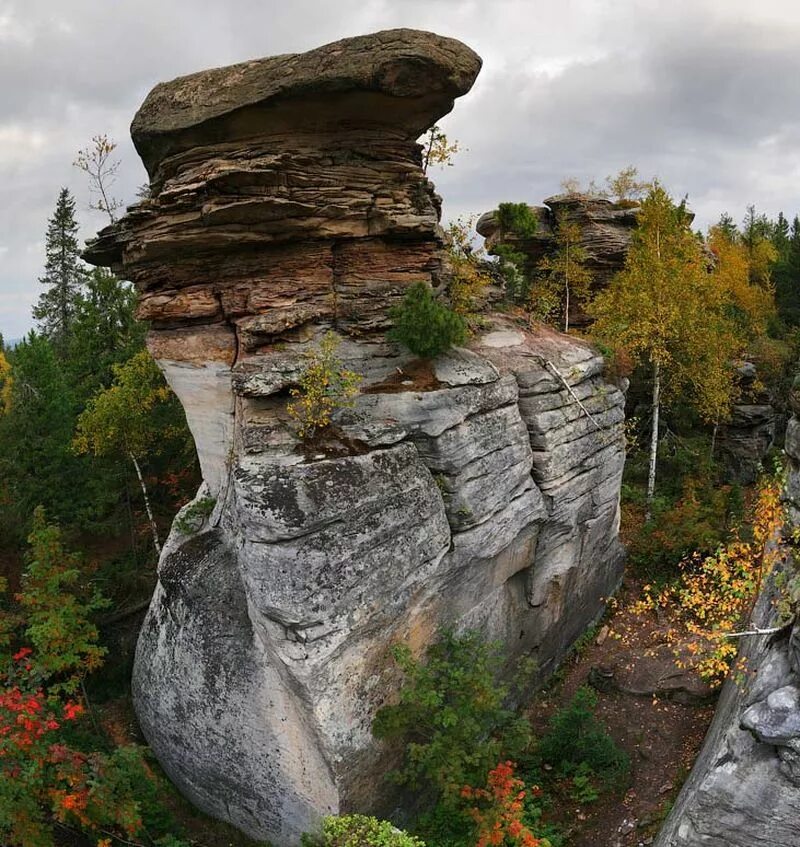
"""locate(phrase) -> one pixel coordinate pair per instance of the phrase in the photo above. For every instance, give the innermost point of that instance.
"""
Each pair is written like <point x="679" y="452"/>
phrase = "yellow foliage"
<point x="469" y="279"/>
<point x="324" y="387"/>
<point x="666" y="309"/>
<point x="752" y="305"/>
<point x="564" y="276"/>
<point x="714" y="595"/>
<point x="6" y="384"/>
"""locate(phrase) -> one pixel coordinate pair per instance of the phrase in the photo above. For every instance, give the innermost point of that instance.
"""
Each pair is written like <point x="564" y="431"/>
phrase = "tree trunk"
<point x="566" y="297"/>
<point x="714" y="439"/>
<point x="655" y="409"/>
<point x="153" y="527"/>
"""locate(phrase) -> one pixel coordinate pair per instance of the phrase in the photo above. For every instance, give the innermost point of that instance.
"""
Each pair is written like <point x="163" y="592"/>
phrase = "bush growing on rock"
<point x="325" y="386"/>
<point x="359" y="831"/>
<point x="424" y="325"/>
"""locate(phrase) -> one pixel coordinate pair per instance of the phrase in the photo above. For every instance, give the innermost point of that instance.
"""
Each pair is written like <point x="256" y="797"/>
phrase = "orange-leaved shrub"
<point x="714" y="594"/>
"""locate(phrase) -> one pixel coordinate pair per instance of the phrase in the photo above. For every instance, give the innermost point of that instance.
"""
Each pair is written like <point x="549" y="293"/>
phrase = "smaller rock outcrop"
<point x="606" y="228"/>
<point x="745" y="439"/>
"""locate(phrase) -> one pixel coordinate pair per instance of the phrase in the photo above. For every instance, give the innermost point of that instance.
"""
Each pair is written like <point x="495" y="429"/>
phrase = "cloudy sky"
<point x="705" y="94"/>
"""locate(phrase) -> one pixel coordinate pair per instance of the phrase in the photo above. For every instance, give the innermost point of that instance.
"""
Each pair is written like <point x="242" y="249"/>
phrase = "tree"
<point x="515" y="221"/>
<point x="64" y="274"/>
<point x="786" y="275"/>
<point x="424" y="325"/>
<point x="105" y="332"/>
<point x="134" y="417"/>
<point x="626" y="186"/>
<point x="325" y="386"/>
<point x="751" y="306"/>
<point x="669" y="313"/>
<point x="437" y="149"/>
<point x="36" y="464"/>
<point x="97" y="163"/>
<point x="470" y="276"/>
<point x="727" y="226"/>
<point x="6" y="384"/>
<point x="564" y="272"/>
<point x="757" y="237"/>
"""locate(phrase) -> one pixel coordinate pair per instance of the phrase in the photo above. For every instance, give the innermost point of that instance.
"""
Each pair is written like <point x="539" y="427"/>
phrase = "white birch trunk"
<point x="153" y="527"/>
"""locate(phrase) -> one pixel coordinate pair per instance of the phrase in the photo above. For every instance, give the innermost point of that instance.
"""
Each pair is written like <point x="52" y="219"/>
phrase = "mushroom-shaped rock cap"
<point x="345" y="83"/>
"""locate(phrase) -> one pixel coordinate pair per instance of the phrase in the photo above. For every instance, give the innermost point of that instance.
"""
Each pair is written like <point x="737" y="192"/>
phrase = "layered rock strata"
<point x="745" y="439"/>
<point x="287" y="200"/>
<point x="606" y="228"/>
<point x="744" y="790"/>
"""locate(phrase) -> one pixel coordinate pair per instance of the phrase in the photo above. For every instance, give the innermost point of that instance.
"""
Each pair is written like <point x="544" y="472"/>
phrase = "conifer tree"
<point x="64" y="274"/>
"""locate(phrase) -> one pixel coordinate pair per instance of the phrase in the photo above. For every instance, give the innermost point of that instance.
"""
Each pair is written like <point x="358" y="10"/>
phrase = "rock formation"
<point x="287" y="200"/>
<point x="606" y="229"/>
<point x="744" y="440"/>
<point x="744" y="789"/>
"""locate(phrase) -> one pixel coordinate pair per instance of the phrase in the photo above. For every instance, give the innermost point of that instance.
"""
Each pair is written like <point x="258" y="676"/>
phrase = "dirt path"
<point x="661" y="736"/>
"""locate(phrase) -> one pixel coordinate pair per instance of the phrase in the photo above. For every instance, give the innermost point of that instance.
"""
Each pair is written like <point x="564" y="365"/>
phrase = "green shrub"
<point x="577" y="745"/>
<point x="516" y="219"/>
<point x="424" y="325"/>
<point x="359" y="831"/>
<point x="191" y="518"/>
<point x="452" y="716"/>
<point x="325" y="386"/>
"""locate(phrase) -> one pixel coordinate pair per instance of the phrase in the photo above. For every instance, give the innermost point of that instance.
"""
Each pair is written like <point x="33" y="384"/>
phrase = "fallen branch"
<point x="771" y="631"/>
<point x="548" y="365"/>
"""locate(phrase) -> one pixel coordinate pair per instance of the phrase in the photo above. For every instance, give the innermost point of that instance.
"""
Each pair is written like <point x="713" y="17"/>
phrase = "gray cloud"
<point x="702" y="94"/>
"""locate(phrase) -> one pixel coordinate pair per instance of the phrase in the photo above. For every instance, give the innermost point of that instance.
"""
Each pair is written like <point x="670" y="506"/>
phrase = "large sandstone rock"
<point x="288" y="200"/>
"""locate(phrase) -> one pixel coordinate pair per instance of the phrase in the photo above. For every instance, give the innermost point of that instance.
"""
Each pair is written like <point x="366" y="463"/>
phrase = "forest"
<point x="96" y="459"/>
<point x="332" y="517"/>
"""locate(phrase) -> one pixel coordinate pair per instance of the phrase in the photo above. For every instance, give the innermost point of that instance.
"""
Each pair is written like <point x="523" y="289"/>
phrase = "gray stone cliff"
<point x="288" y="200"/>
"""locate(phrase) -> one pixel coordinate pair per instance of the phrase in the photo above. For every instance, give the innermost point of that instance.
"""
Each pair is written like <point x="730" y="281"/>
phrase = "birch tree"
<point x="565" y="277"/>
<point x="670" y="314"/>
<point x="132" y="418"/>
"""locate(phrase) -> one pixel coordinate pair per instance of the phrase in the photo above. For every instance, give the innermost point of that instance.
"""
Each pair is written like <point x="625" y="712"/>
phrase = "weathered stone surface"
<point x="745" y="438"/>
<point x="287" y="201"/>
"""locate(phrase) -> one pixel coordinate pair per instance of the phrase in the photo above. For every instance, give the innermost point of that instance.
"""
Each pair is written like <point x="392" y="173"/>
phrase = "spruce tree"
<point x="64" y="274"/>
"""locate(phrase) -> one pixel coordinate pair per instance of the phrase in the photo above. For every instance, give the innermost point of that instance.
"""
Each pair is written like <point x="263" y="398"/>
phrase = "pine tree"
<point x="64" y="274"/>
<point x="786" y="275"/>
<point x="37" y="466"/>
<point x="757" y="237"/>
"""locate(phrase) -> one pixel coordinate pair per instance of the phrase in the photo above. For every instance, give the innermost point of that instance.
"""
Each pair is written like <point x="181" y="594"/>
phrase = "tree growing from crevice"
<point x="98" y="163"/>
<point x="437" y="149"/>
<point x="424" y="325"/>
